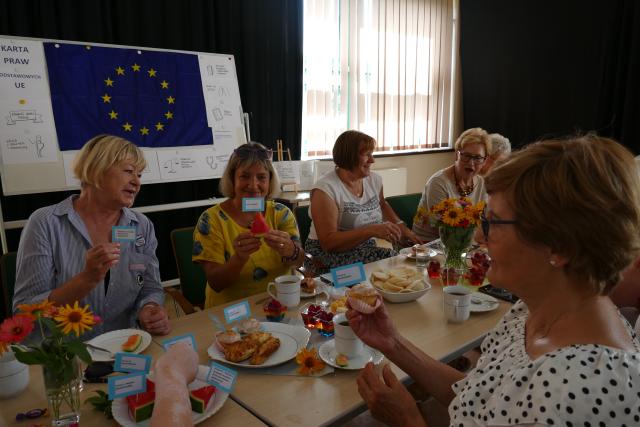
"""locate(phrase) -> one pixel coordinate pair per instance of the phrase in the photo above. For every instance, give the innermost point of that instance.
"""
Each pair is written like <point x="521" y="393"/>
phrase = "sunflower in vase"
<point x="55" y="345"/>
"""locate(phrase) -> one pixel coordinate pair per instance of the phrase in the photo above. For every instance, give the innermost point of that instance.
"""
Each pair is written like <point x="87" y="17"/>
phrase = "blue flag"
<point x="152" y="98"/>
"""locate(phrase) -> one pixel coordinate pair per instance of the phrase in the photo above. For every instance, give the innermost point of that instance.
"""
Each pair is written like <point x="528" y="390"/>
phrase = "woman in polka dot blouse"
<point x="562" y="222"/>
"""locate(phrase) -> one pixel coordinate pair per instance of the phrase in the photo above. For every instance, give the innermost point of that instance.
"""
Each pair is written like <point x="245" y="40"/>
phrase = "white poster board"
<point x="34" y="160"/>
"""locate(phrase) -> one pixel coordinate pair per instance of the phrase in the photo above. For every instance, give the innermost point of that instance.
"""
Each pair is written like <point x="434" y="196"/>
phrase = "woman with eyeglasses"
<point x="562" y="222"/>
<point x="461" y="179"/>
<point x="348" y="209"/>
<point x="236" y="262"/>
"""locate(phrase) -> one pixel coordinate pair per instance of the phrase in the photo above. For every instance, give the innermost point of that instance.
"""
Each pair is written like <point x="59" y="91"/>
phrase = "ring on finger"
<point x="281" y="245"/>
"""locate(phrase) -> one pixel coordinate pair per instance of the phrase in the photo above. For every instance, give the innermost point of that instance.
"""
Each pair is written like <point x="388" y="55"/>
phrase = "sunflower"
<point x="44" y="308"/>
<point x="309" y="362"/>
<point x="75" y="319"/>
<point x="451" y="217"/>
<point x="15" y="329"/>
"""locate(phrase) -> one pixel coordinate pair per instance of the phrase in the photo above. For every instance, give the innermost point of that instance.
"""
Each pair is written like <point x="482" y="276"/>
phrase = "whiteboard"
<point x="55" y="95"/>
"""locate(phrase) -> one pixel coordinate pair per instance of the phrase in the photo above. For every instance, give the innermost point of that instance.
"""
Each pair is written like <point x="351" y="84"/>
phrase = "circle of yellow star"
<point x="113" y="115"/>
<point x="164" y="84"/>
<point x="106" y="98"/>
<point x="144" y="130"/>
<point x="120" y="71"/>
<point x="168" y="115"/>
<point x="159" y="126"/>
<point x="171" y="100"/>
<point x="108" y="82"/>
<point x="135" y="67"/>
<point x="127" y="127"/>
<point x="152" y="72"/>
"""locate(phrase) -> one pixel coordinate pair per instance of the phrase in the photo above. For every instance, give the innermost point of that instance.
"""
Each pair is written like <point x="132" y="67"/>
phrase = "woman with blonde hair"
<point x="562" y="222"/>
<point x="461" y="179"/>
<point x="237" y="262"/>
<point x="67" y="252"/>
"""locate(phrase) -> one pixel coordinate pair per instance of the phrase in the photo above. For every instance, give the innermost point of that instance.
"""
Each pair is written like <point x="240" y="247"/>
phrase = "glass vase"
<point x="63" y="384"/>
<point x="455" y="242"/>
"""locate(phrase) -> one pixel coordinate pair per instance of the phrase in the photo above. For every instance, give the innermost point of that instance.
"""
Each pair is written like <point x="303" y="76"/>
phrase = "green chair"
<point x="304" y="222"/>
<point x="8" y="279"/>
<point x="405" y="206"/>
<point x="192" y="278"/>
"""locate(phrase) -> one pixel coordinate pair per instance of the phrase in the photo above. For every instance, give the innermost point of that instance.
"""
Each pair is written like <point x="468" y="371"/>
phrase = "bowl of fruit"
<point x="318" y="316"/>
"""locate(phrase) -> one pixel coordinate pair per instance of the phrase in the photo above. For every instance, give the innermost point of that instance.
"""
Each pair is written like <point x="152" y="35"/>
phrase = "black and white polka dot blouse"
<point x="580" y="385"/>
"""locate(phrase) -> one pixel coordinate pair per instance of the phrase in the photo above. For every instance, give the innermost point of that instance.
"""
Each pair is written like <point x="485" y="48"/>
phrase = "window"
<point x="384" y="67"/>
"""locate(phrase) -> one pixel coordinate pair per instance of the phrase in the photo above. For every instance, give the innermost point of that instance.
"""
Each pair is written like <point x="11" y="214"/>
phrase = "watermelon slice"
<point x="200" y="398"/>
<point x="132" y="343"/>
<point x="259" y="225"/>
<point x="141" y="404"/>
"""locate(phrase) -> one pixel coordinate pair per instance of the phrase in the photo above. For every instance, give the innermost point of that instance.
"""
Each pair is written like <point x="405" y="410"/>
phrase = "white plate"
<point x="409" y="253"/>
<point x="328" y="353"/>
<point x="113" y="341"/>
<point x="316" y="291"/>
<point x="292" y="339"/>
<point x="487" y="302"/>
<point x="120" y="409"/>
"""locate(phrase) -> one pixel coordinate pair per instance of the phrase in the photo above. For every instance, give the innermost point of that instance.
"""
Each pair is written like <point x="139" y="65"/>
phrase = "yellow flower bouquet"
<point x="57" y="349"/>
<point x="456" y="220"/>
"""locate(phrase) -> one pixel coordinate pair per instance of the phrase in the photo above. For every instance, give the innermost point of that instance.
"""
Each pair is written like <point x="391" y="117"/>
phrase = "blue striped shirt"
<point x="52" y="251"/>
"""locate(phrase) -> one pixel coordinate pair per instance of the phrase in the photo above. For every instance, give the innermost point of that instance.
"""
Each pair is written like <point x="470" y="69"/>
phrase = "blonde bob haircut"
<point x="474" y="136"/>
<point x="250" y="155"/>
<point x="102" y="152"/>
<point x="348" y="147"/>
<point x="580" y="197"/>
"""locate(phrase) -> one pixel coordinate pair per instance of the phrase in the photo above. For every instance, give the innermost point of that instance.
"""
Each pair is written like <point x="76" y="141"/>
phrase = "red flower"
<point x="15" y="329"/>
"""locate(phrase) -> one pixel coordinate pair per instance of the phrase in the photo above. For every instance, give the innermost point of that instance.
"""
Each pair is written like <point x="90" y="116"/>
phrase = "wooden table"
<point x="231" y="414"/>
<point x="302" y="401"/>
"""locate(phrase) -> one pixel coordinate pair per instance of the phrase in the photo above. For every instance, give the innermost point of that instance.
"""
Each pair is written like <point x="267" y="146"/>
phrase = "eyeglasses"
<point x="486" y="223"/>
<point x="468" y="158"/>
<point x="248" y="150"/>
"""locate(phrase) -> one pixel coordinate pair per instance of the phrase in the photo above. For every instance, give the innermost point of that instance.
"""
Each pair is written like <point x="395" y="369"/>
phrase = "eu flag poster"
<point x="151" y="98"/>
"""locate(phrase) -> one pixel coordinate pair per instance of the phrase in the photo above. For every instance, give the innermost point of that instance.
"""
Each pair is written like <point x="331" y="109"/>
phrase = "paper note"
<point x="348" y="275"/>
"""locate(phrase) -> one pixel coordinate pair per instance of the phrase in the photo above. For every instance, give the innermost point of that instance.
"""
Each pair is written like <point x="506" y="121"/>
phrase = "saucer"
<point x="482" y="302"/>
<point x="327" y="353"/>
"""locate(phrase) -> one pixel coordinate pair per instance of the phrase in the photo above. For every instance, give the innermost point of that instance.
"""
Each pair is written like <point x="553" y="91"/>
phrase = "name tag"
<point x="222" y="377"/>
<point x="237" y="312"/>
<point x="348" y="275"/>
<point x="127" y="362"/>
<point x="188" y="338"/>
<point x="126" y="385"/>
<point x="123" y="234"/>
<point x="252" y="204"/>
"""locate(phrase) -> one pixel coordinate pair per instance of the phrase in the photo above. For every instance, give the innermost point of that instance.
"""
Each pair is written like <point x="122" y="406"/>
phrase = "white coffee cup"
<point x="287" y="290"/>
<point x="457" y="303"/>
<point x="346" y="341"/>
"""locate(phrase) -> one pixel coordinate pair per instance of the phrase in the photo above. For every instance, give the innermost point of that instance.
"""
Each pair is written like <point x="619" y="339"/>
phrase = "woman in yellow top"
<point x="236" y="262"/>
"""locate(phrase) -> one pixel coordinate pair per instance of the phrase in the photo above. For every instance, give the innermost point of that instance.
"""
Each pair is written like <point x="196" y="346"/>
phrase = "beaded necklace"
<point x="462" y="190"/>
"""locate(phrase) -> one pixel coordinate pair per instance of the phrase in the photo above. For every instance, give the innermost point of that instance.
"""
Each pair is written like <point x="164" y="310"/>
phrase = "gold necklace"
<point x="463" y="191"/>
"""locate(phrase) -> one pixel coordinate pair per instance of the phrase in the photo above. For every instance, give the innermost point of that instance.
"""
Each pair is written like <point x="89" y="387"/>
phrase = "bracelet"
<point x="400" y="222"/>
<point x="294" y="255"/>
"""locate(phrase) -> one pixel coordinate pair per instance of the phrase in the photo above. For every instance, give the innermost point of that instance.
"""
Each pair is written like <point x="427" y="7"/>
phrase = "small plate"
<point x="482" y="302"/>
<point x="292" y="339"/>
<point x="409" y="253"/>
<point x="120" y="409"/>
<point x="113" y="341"/>
<point x="316" y="291"/>
<point x="328" y="354"/>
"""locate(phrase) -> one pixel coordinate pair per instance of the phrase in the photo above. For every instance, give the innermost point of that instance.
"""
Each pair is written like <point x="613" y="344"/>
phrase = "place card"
<point x="126" y="385"/>
<point x="252" y="204"/>
<point x="222" y="377"/>
<point x="127" y="362"/>
<point x="123" y="233"/>
<point x="187" y="338"/>
<point x="348" y="275"/>
<point x="237" y="311"/>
